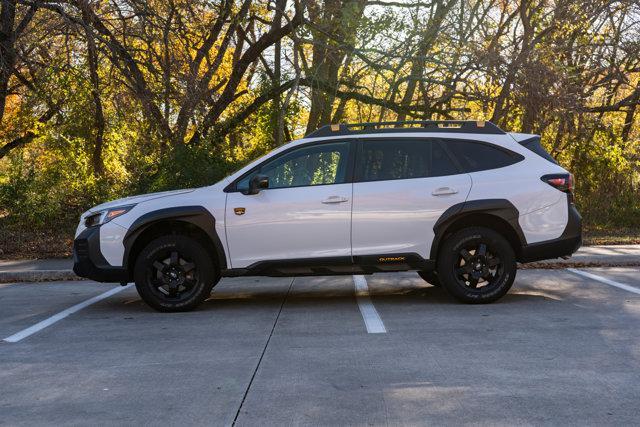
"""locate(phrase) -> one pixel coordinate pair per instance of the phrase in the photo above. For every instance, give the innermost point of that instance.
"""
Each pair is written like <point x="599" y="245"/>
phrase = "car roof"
<point x="457" y="129"/>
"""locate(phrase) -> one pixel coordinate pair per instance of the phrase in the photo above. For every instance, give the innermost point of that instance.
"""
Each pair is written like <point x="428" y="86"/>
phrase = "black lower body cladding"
<point x="88" y="261"/>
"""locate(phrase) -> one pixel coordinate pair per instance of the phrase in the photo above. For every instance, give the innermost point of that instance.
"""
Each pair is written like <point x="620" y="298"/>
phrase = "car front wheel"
<point x="175" y="273"/>
<point x="476" y="265"/>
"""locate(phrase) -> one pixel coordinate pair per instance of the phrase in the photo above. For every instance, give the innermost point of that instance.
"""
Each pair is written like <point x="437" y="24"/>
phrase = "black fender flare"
<point x="198" y="216"/>
<point x="500" y="208"/>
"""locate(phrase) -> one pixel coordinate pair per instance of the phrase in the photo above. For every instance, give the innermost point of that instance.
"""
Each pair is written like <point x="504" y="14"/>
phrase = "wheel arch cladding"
<point x="195" y="221"/>
<point x="498" y="214"/>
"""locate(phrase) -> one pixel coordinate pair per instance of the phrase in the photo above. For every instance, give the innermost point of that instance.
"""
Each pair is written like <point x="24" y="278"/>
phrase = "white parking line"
<point x="605" y="280"/>
<point x="57" y="317"/>
<point x="372" y="319"/>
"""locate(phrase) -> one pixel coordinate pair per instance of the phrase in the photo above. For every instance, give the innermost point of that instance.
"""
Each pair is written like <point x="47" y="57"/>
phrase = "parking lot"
<point x="563" y="347"/>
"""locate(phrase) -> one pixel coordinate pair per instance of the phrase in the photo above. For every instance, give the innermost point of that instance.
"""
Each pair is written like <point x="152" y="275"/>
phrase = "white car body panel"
<point x="132" y="200"/>
<point x="288" y="223"/>
<point x="398" y="216"/>
<point x="545" y="224"/>
<point x="521" y="185"/>
<point x="111" y="238"/>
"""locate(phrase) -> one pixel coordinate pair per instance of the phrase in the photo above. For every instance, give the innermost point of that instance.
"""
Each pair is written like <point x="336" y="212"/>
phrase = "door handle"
<point x="444" y="191"/>
<point x="334" y="199"/>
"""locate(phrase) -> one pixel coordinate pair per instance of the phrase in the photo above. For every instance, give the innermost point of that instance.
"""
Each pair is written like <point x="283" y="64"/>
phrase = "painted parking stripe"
<point x="605" y="280"/>
<point x="372" y="319"/>
<point x="57" y="317"/>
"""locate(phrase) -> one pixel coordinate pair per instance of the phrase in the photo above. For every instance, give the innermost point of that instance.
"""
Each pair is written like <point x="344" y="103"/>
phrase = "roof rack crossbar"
<point x="444" y="126"/>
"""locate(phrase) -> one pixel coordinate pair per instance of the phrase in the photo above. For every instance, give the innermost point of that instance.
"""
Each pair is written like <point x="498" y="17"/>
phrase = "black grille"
<point x="81" y="248"/>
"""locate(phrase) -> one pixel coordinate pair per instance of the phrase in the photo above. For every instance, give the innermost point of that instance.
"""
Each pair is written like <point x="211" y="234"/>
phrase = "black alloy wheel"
<point x="175" y="273"/>
<point x="172" y="276"/>
<point x="476" y="265"/>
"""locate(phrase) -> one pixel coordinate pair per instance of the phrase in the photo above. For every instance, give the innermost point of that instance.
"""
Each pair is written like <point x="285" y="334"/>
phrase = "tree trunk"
<point x="336" y="27"/>
<point x="98" y="112"/>
<point x="417" y="66"/>
<point x="29" y="135"/>
<point x="278" y="114"/>
<point x="630" y="115"/>
<point x="7" y="51"/>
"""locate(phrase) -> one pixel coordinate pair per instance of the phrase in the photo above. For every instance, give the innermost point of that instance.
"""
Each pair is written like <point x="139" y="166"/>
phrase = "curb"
<point x="37" y="276"/>
<point x="554" y="265"/>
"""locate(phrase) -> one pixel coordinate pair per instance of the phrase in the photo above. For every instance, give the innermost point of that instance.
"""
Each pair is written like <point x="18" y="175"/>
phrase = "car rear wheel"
<point x="175" y="273"/>
<point x="476" y="265"/>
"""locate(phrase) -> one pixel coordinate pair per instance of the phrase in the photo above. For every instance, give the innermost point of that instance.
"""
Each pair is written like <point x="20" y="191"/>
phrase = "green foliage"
<point x="188" y="166"/>
<point x="462" y="69"/>
<point x="55" y="185"/>
<point x="607" y="181"/>
<point x="53" y="189"/>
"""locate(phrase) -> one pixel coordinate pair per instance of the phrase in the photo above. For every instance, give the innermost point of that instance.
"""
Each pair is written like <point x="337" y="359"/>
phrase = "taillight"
<point x="562" y="182"/>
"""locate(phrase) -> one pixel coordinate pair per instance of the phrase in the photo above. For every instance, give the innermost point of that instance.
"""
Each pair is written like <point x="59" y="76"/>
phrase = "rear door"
<point x="401" y="187"/>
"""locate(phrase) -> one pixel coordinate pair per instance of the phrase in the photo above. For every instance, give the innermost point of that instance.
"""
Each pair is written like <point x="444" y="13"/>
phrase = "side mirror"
<point x="257" y="183"/>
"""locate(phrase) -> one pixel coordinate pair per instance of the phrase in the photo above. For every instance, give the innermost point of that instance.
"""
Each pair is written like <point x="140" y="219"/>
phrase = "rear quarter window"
<point x="533" y="144"/>
<point x="475" y="156"/>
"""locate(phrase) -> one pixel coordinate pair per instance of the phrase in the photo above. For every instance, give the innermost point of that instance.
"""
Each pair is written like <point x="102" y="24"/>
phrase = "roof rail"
<point x="446" y="126"/>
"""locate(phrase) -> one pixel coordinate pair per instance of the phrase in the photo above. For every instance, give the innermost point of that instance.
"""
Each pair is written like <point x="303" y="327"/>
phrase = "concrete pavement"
<point x="558" y="349"/>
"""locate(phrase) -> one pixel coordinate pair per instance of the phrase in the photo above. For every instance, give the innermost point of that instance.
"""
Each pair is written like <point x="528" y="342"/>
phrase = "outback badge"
<point x="239" y="211"/>
<point x="391" y="259"/>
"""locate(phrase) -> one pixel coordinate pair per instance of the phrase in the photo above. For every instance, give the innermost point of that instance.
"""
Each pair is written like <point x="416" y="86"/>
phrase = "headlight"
<point x="106" y="215"/>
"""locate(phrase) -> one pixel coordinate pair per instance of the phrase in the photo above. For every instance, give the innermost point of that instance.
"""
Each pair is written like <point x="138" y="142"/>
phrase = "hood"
<point x="132" y="200"/>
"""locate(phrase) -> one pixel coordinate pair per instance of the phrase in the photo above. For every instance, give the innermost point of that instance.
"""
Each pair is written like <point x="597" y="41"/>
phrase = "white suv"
<point x="458" y="201"/>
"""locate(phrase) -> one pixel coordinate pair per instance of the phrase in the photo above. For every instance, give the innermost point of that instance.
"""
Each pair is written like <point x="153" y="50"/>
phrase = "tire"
<point x="175" y="273"/>
<point x="430" y="277"/>
<point x="476" y="265"/>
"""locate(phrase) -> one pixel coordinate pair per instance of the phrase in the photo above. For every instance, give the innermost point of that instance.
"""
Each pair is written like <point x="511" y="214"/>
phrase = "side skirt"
<point x="331" y="266"/>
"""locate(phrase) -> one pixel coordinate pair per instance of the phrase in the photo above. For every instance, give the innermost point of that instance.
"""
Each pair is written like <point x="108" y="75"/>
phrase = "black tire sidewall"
<point x="448" y="258"/>
<point x="190" y="248"/>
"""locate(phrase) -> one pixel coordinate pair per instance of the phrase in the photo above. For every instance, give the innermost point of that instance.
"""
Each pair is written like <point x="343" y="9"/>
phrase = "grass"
<point x="16" y="243"/>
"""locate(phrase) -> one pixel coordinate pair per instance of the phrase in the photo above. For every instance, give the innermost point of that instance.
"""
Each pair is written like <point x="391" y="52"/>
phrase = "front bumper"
<point x="565" y="245"/>
<point x="88" y="260"/>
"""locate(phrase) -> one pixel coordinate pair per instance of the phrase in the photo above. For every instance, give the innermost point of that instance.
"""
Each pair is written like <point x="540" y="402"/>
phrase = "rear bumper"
<point x="88" y="262"/>
<point x="565" y="245"/>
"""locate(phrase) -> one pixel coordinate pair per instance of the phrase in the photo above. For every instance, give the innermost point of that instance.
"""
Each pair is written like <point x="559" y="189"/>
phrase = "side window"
<point x="389" y="159"/>
<point x="324" y="163"/>
<point x="478" y="156"/>
<point x="441" y="164"/>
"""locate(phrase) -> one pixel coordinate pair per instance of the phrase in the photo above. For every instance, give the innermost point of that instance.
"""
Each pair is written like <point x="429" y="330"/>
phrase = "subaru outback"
<point x="460" y="202"/>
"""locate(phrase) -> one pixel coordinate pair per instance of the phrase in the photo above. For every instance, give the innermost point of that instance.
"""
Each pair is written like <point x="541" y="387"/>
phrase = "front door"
<point x="401" y="187"/>
<point x="304" y="214"/>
